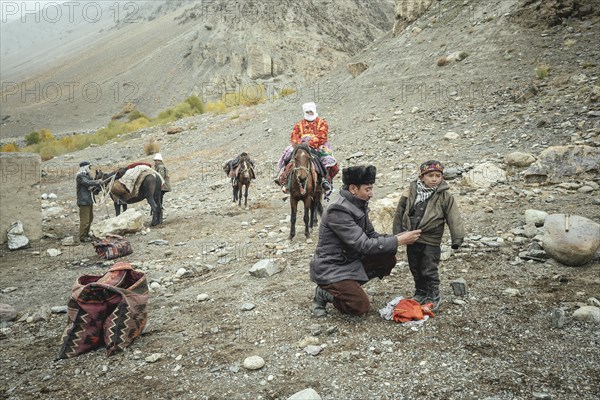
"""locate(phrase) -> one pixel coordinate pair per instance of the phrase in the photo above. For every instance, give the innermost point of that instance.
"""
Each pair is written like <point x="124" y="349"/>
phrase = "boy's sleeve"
<point x="397" y="227"/>
<point x="455" y="223"/>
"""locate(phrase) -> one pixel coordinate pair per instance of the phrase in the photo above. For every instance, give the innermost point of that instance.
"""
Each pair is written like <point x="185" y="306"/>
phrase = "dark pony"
<point x="304" y="187"/>
<point x="242" y="179"/>
<point x="149" y="190"/>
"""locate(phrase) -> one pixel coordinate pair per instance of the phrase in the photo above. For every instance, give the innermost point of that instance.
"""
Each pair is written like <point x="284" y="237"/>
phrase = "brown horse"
<point x="305" y="188"/>
<point x="242" y="179"/>
<point x="149" y="190"/>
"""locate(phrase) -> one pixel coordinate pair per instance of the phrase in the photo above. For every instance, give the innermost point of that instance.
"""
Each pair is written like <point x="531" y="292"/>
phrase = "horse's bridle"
<point x="295" y="168"/>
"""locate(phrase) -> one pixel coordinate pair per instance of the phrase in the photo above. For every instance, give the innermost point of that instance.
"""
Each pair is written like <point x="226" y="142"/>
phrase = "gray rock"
<point x="130" y="221"/>
<point x="254" y="362"/>
<point x="58" y="309"/>
<point x="571" y="239"/>
<point x="556" y="163"/>
<point x="459" y="287"/>
<point x="518" y="159"/>
<point x="306" y="394"/>
<point x="202" y="297"/>
<point x="485" y="175"/>
<point x="557" y="317"/>
<point x="535" y="217"/>
<point x="265" y="268"/>
<point x="7" y="312"/>
<point x="587" y="314"/>
<point x="247" y="306"/>
<point x="313" y="350"/>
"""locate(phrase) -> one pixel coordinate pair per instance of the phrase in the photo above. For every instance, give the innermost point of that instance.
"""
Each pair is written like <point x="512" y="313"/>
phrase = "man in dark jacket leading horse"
<point x="349" y="252"/>
<point x="85" y="200"/>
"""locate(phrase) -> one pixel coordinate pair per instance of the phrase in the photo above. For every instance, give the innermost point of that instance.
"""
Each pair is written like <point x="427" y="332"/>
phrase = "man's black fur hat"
<point x="359" y="175"/>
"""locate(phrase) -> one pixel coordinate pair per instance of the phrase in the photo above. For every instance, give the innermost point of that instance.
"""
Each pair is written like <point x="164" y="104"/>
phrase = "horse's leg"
<point x="117" y="209"/>
<point x="246" y="195"/>
<point x="307" y="207"/>
<point x="235" y="192"/>
<point x="294" y="206"/>
<point x="158" y="196"/>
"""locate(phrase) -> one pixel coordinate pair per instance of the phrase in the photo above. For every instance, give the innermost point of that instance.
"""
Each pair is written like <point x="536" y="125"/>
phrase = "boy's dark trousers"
<point x="423" y="261"/>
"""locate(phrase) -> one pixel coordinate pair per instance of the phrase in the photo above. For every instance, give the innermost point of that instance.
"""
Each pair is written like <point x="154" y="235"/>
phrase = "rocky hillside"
<point x="77" y="74"/>
<point x="491" y="89"/>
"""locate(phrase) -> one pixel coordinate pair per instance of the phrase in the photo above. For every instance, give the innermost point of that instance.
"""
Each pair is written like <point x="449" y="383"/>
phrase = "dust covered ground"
<point x="492" y="346"/>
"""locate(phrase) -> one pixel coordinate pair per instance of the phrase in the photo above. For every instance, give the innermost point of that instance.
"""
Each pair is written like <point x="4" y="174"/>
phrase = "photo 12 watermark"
<point x="70" y="92"/>
<point x="70" y="12"/>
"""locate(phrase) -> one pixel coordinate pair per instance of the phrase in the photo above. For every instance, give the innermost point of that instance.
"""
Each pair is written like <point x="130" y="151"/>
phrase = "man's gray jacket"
<point x="346" y="235"/>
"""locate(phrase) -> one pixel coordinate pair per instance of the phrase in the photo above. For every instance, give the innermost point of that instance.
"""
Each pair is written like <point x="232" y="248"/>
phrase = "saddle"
<point x="128" y="185"/>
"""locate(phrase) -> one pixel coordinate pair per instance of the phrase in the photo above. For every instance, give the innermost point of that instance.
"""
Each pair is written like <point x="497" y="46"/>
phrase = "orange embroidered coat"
<point x="316" y="130"/>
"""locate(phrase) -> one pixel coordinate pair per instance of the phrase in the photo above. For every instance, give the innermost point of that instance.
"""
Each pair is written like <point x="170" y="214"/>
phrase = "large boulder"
<point x="557" y="163"/>
<point x="130" y="221"/>
<point x="485" y="175"/>
<point x="381" y="213"/>
<point x="571" y="239"/>
<point x="518" y="159"/>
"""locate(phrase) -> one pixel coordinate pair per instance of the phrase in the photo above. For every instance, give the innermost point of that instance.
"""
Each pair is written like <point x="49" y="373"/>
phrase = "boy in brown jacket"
<point x="428" y="205"/>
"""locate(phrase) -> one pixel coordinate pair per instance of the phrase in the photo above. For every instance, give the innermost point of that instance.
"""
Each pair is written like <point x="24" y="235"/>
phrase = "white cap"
<point x="158" y="157"/>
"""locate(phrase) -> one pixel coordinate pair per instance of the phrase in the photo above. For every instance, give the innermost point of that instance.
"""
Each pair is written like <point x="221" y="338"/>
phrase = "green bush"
<point x="136" y="114"/>
<point x="196" y="104"/>
<point x="32" y="138"/>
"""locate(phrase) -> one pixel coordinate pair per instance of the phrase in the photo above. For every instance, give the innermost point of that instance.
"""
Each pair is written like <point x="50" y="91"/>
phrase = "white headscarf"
<point x="310" y="107"/>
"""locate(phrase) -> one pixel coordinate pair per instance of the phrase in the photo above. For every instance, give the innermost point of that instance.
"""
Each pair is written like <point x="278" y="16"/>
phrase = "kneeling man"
<point x="349" y="252"/>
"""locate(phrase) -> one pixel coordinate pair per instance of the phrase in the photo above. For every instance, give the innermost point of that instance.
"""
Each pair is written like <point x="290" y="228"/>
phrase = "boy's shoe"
<point x="322" y="297"/>
<point x="276" y="181"/>
<point x="420" y="296"/>
<point x="326" y="185"/>
<point x="434" y="296"/>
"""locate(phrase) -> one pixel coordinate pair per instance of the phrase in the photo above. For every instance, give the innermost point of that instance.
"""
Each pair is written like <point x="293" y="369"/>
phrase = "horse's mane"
<point x="302" y="146"/>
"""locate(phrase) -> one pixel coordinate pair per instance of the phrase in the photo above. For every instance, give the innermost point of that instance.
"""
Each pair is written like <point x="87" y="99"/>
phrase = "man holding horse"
<point x="314" y="131"/>
<point x="349" y="252"/>
<point x="85" y="201"/>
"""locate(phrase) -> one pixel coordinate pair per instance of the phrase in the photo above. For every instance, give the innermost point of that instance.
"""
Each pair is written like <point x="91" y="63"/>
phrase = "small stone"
<point x="7" y="312"/>
<point x="592" y="301"/>
<point x="254" y="363"/>
<point x="58" y="309"/>
<point x="306" y="394"/>
<point x="247" y="306"/>
<point x="155" y="285"/>
<point x="53" y="252"/>
<point x="154" y="357"/>
<point x="308" y="341"/>
<point x="180" y="272"/>
<point x="313" y="350"/>
<point x="557" y="318"/>
<point x="459" y="287"/>
<point x="511" y="292"/>
<point x="202" y="297"/>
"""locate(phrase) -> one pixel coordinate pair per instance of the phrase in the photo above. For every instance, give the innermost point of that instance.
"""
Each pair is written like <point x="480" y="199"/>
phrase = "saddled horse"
<point x="242" y="179"/>
<point x="149" y="190"/>
<point x="305" y="188"/>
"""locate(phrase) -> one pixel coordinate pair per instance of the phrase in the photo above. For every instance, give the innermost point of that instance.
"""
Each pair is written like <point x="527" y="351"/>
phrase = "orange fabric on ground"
<point x="410" y="310"/>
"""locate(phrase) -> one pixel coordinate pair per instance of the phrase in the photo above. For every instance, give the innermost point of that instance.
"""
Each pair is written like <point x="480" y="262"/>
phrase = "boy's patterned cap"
<point x="431" y="165"/>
